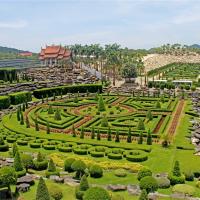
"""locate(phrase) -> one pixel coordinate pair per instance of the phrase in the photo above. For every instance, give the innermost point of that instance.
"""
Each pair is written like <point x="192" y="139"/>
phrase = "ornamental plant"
<point x="129" y="140"/>
<point x="98" y="135"/>
<point x="73" y="131"/>
<point x="140" y="139"/>
<point x="101" y="106"/>
<point x="57" y="115"/>
<point x="149" y="115"/>
<point x="117" y="136"/>
<point x="143" y="195"/>
<point x="82" y="133"/>
<point x="141" y="125"/>
<point x="22" y="119"/>
<point x="109" y="138"/>
<point x="92" y="133"/>
<point x="42" y="192"/>
<point x="48" y="128"/>
<point x="50" y="110"/>
<point x="149" y="138"/>
<point x="18" y="166"/>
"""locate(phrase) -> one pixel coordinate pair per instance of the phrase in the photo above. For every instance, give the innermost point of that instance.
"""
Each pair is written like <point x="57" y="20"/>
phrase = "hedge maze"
<point x="88" y="120"/>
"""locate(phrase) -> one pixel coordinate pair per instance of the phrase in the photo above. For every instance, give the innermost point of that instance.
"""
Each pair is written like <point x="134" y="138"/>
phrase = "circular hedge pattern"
<point x="136" y="156"/>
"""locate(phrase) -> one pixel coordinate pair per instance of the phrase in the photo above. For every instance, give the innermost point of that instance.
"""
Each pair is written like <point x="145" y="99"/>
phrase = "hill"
<point x="10" y="50"/>
<point x="196" y="46"/>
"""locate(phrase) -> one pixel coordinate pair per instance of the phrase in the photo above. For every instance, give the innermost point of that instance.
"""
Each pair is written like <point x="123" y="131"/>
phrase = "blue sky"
<point x="30" y="24"/>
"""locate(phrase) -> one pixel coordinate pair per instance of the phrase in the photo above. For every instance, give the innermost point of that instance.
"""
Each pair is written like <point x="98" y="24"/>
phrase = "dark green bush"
<point x="176" y="179"/>
<point x="22" y="142"/>
<point x="143" y="173"/>
<point x="115" y="156"/>
<point x="149" y="184"/>
<point x="97" y="154"/>
<point x="20" y="97"/>
<point x="35" y="145"/>
<point x="136" y="156"/>
<point x="96" y="171"/>
<point x="68" y="164"/>
<point x="4" y="102"/>
<point x="120" y="173"/>
<point x="96" y="193"/>
<point x="189" y="176"/>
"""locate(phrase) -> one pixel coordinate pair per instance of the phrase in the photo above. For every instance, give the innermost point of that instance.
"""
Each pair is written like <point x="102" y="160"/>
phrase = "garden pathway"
<point x="175" y="119"/>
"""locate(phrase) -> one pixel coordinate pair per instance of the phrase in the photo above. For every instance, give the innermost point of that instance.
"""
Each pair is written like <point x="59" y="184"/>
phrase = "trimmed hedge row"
<point x="4" y="102"/>
<point x="20" y="97"/>
<point x="92" y="88"/>
<point x="136" y="156"/>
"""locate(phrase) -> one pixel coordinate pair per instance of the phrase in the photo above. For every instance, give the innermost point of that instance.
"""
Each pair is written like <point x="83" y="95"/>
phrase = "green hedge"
<point x="4" y="102"/>
<point x="136" y="156"/>
<point x="20" y="97"/>
<point x="92" y="88"/>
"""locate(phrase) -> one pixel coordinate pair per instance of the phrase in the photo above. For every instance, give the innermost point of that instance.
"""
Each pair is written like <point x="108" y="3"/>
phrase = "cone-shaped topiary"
<point x="92" y="133"/>
<point x="22" y="119"/>
<point x="149" y="138"/>
<point x="42" y="191"/>
<point x="17" y="162"/>
<point x="73" y="131"/>
<point x="176" y="169"/>
<point x="76" y="99"/>
<point x="36" y="125"/>
<point x="82" y="134"/>
<point x="48" y="128"/>
<point x="51" y="166"/>
<point x="18" y="114"/>
<point x="101" y="106"/>
<point x="40" y="157"/>
<point x="57" y="115"/>
<point x="23" y="107"/>
<point x="143" y="195"/>
<point x="162" y="99"/>
<point x="98" y="135"/>
<point x="14" y="149"/>
<point x="141" y="125"/>
<point x="158" y="106"/>
<point x="109" y="135"/>
<point x="117" y="136"/>
<point x="27" y="123"/>
<point x="50" y="110"/>
<point x="149" y="115"/>
<point x="104" y="121"/>
<point x="84" y="185"/>
<point x="140" y="139"/>
<point x="129" y="140"/>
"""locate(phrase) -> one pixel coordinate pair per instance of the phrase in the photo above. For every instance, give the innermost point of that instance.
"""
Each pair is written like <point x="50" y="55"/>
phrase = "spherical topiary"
<point x="96" y="171"/>
<point x="96" y="193"/>
<point x="68" y="164"/>
<point x="79" y="167"/>
<point x="55" y="192"/>
<point x="184" y="189"/>
<point x="144" y="172"/>
<point x="163" y="182"/>
<point x="149" y="184"/>
<point x="120" y="173"/>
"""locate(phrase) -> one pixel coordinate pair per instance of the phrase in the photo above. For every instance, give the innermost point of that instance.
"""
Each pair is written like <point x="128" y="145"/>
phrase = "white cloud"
<point x="13" y="24"/>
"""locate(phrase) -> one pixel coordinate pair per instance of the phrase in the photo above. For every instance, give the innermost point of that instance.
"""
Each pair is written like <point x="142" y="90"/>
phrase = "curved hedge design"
<point x="136" y="156"/>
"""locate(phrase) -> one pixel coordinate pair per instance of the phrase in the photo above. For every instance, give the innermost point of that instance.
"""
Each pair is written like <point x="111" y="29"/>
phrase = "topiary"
<point x="50" y="110"/>
<point x="129" y="140"/>
<point x="158" y="106"/>
<point x="79" y="167"/>
<point x="3" y="145"/>
<point x="101" y="106"/>
<point x="198" y="184"/>
<point x="36" y="125"/>
<point x="42" y="192"/>
<point x="82" y="133"/>
<point x="55" y="192"/>
<point x="84" y="185"/>
<point x="117" y="197"/>
<point x="96" y="193"/>
<point x="27" y="123"/>
<point x="120" y="173"/>
<point x="163" y="182"/>
<point x="149" y="184"/>
<point x="18" y="163"/>
<point x="183" y="188"/>
<point x="92" y="133"/>
<point x="176" y="170"/>
<point x="176" y="179"/>
<point x="141" y="125"/>
<point x="27" y="161"/>
<point x="57" y="115"/>
<point x="68" y="164"/>
<point x="104" y="122"/>
<point x="117" y="136"/>
<point x="98" y="135"/>
<point x="96" y="171"/>
<point x="149" y="138"/>
<point x="109" y="137"/>
<point x="143" y="173"/>
<point x="189" y="176"/>
<point x="149" y="115"/>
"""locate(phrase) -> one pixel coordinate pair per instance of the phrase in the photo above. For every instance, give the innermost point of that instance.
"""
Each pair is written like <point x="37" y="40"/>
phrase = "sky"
<point x="32" y="24"/>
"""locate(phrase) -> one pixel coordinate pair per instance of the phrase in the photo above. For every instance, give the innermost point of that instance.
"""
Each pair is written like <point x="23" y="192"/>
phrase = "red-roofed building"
<point x="52" y="55"/>
<point x="25" y="54"/>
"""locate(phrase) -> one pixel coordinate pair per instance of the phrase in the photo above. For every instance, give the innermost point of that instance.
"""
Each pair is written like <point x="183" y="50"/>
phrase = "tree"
<point x="27" y="123"/>
<point x="27" y="161"/>
<point x="149" y="115"/>
<point x="36" y="125"/>
<point x="98" y="135"/>
<point x="129" y="140"/>
<point x="14" y="149"/>
<point x="176" y="169"/>
<point x="101" y="106"/>
<point x="51" y="166"/>
<point x="18" y="166"/>
<point x="82" y="133"/>
<point x="129" y="71"/>
<point x="22" y="119"/>
<point x="158" y="106"/>
<point x="57" y="115"/>
<point x="50" y="110"/>
<point x="143" y="195"/>
<point x="149" y="138"/>
<point x="23" y="107"/>
<point x="141" y="125"/>
<point x="73" y="131"/>
<point x="48" y="128"/>
<point x="140" y="139"/>
<point x="92" y="133"/>
<point x="109" y="135"/>
<point x="42" y="192"/>
<point x="84" y="185"/>
<point x="117" y="136"/>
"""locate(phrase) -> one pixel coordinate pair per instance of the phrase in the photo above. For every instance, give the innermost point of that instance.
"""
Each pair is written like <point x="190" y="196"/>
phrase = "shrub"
<point x="149" y="184"/>
<point x="129" y="140"/>
<point x="68" y="164"/>
<point x="55" y="192"/>
<point x="62" y="148"/>
<point x="40" y="163"/>
<point x="50" y="110"/>
<point x="120" y="173"/>
<point x="101" y="106"/>
<point x="143" y="195"/>
<point x="136" y="156"/>
<point x="163" y="182"/>
<point x="183" y="188"/>
<point x="22" y="142"/>
<point x="96" y="171"/>
<point x="20" y="97"/>
<point x="96" y="193"/>
<point x="57" y="115"/>
<point x="79" y="194"/>
<point x="176" y="179"/>
<point x="49" y="146"/>
<point x="11" y="139"/>
<point x="35" y="145"/>
<point x="80" y="151"/>
<point x="42" y="191"/>
<point x="84" y="185"/>
<point x="143" y="173"/>
<point x="79" y="167"/>
<point x="51" y="169"/>
<point x="115" y="156"/>
<point x="97" y="154"/>
<point x="176" y="170"/>
<point x="149" y="115"/>
<point x="4" y="102"/>
<point x="104" y="122"/>
<point x="189" y="176"/>
<point x="141" y="125"/>
<point x="27" y="161"/>
<point x="17" y="162"/>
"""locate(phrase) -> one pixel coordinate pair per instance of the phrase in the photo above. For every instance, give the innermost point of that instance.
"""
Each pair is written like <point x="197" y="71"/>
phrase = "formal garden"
<point x="76" y="142"/>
